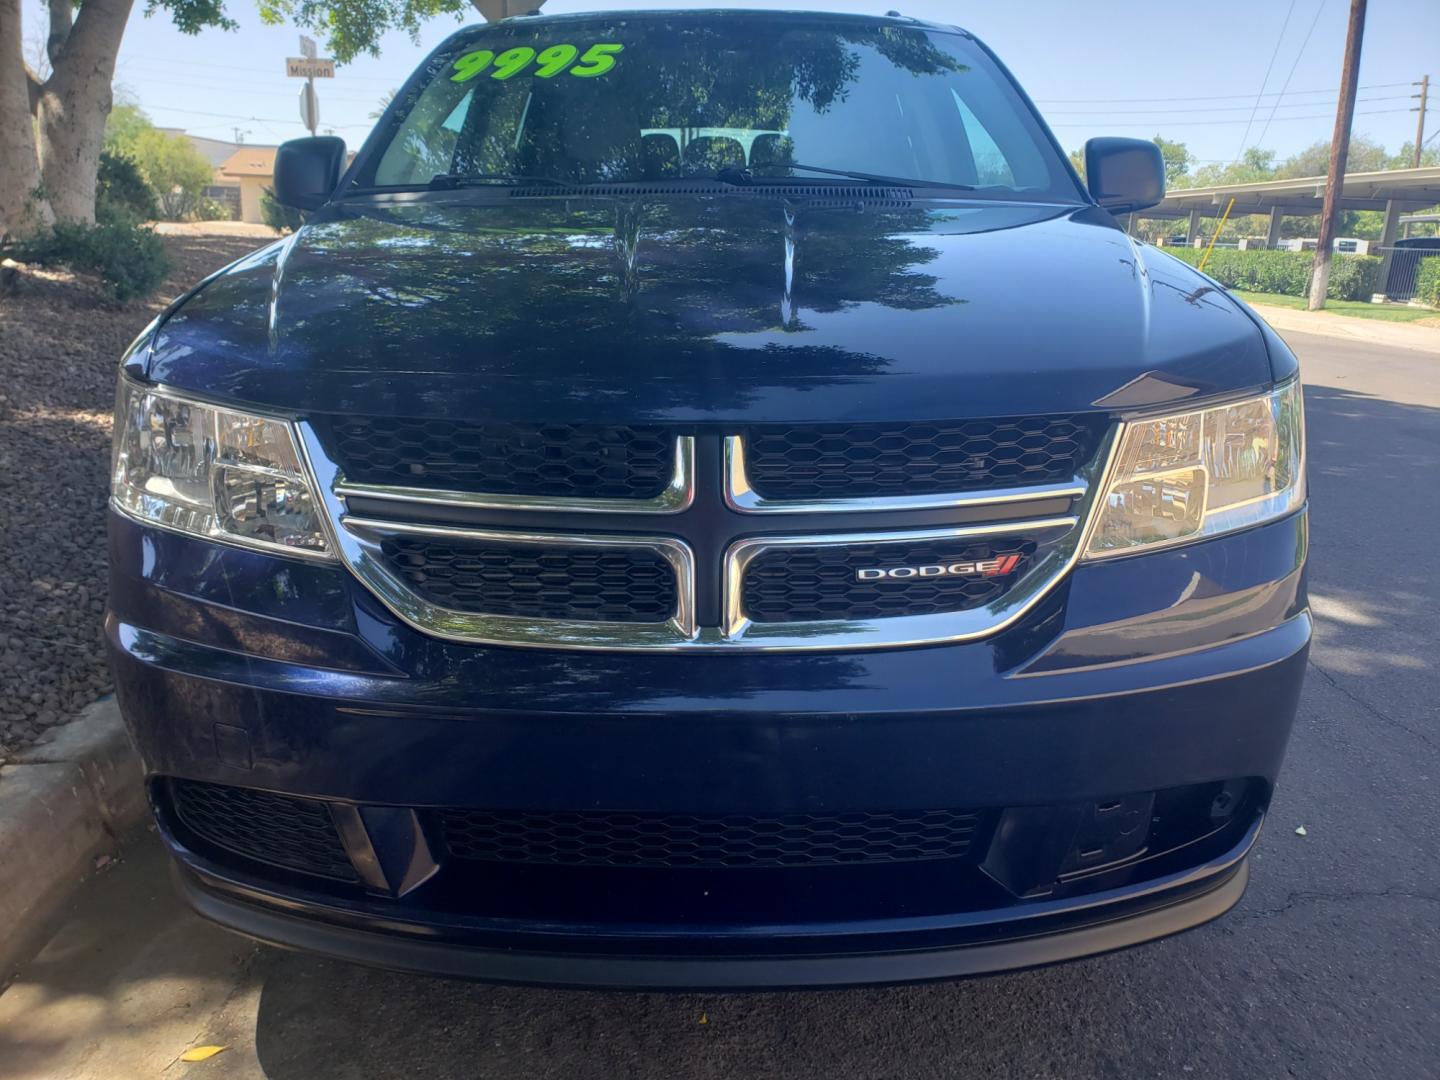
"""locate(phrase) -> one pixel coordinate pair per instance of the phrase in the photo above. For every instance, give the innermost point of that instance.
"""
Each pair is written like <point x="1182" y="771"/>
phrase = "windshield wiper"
<point x="733" y="175"/>
<point x="452" y="181"/>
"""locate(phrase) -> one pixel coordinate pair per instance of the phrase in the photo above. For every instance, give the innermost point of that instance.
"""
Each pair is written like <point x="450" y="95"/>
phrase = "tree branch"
<point x="91" y="43"/>
<point x="34" y="85"/>
<point x="62" y="18"/>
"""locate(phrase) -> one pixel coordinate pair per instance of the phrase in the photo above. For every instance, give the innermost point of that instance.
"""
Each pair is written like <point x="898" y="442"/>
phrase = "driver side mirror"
<point x="1124" y="174"/>
<point x="307" y="170"/>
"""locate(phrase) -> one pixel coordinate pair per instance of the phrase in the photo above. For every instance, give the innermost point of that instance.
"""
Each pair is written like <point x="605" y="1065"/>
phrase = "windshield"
<point x="672" y="98"/>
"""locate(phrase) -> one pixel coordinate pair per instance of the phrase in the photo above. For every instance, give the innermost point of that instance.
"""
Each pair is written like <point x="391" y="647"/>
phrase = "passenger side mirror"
<point x="1124" y="174"/>
<point x="307" y="170"/>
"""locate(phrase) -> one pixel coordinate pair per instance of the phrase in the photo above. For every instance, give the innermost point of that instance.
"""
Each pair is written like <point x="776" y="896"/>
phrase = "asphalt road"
<point x="1330" y="967"/>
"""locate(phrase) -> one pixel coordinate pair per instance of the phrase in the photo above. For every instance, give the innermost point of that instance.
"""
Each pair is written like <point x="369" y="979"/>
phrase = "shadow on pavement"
<point x="326" y="1021"/>
<point x="1374" y="587"/>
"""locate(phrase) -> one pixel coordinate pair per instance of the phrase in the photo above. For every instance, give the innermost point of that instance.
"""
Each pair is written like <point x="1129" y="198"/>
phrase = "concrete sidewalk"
<point x="63" y="803"/>
<point x="1373" y="331"/>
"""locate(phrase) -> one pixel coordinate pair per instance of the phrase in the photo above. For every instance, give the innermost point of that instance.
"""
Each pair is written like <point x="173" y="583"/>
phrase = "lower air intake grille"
<point x="678" y="841"/>
<point x="801" y="584"/>
<point x="853" y="461"/>
<point x="620" y="585"/>
<point x="276" y="829"/>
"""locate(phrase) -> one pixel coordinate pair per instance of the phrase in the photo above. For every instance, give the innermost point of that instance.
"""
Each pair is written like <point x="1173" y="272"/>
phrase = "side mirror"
<point x="1124" y="174"/>
<point x="307" y="170"/>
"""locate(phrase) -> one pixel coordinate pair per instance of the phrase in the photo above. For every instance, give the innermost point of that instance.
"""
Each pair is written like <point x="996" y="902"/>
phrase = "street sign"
<point x="495" y="10"/>
<point x="307" y="48"/>
<point x="302" y="67"/>
<point x="309" y="107"/>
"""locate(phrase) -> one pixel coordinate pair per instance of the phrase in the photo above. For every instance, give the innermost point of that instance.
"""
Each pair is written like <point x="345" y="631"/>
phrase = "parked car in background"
<point x="709" y="499"/>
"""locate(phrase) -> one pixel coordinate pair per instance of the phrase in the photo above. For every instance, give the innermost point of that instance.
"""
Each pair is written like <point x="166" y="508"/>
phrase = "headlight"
<point x="213" y="472"/>
<point x="1195" y="474"/>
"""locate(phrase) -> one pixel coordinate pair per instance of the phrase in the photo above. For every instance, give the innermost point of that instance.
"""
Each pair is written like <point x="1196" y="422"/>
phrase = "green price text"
<point x="596" y="60"/>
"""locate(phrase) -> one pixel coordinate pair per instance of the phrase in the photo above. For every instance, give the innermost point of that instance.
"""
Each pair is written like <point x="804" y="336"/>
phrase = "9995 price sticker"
<point x="542" y="64"/>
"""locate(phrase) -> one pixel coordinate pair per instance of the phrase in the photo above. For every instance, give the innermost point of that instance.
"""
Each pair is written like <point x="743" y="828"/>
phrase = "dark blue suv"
<point x="709" y="499"/>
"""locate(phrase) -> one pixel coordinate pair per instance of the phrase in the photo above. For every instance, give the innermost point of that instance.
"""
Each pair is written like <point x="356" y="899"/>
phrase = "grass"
<point x="1387" y="312"/>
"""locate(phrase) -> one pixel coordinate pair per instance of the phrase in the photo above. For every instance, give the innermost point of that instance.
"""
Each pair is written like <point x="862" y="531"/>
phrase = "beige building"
<point x="252" y="170"/>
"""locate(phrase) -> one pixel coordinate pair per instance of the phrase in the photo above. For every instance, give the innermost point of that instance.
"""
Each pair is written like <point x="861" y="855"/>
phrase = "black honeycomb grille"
<point x="561" y="460"/>
<point x="798" y="584"/>
<point x="680" y="841"/>
<point x="876" y="460"/>
<point x="619" y="585"/>
<point x="279" y="830"/>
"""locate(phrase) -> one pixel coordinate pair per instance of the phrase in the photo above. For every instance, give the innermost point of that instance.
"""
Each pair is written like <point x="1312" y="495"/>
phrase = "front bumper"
<point x="1165" y="672"/>
<point x="1048" y="934"/>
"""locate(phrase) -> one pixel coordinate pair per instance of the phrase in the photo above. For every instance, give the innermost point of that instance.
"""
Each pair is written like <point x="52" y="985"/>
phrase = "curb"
<point x="61" y="804"/>
<point x="1349" y="328"/>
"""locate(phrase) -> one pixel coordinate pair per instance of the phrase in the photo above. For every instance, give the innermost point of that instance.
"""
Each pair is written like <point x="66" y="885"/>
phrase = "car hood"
<point x="707" y="309"/>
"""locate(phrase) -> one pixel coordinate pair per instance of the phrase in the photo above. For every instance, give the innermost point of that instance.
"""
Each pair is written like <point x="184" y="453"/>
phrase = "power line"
<point x="1224" y="108"/>
<point x="168" y="65"/>
<point x="1208" y="123"/>
<point x="236" y="116"/>
<point x="1266" y="80"/>
<point x="1214" y="97"/>
<point x="282" y="91"/>
<point x="1291" y="75"/>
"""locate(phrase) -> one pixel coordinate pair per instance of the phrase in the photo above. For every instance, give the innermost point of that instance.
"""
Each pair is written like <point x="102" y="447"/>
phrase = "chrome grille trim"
<point x="744" y="499"/>
<point x="364" y="535"/>
<point x="353" y="539"/>
<point x="677" y="496"/>
<point x="950" y="626"/>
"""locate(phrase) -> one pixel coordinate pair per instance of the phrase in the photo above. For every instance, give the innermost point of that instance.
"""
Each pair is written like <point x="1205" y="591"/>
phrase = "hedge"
<point x="1427" y="281"/>
<point x="1352" y="277"/>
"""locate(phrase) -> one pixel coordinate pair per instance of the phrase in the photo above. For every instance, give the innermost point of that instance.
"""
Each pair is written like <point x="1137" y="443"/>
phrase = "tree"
<point x="52" y="126"/>
<point x="175" y="171"/>
<point x="1404" y="158"/>
<point x="1175" y="154"/>
<point x="1254" y="165"/>
<point x="1365" y="155"/>
<point x="124" y="126"/>
<point x="1177" y="160"/>
<point x="383" y="104"/>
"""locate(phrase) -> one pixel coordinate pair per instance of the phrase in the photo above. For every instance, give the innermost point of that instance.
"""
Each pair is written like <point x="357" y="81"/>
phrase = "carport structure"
<point x="1394" y="191"/>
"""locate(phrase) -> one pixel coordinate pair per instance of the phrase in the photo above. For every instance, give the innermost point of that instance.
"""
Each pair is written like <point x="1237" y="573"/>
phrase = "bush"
<point x="1427" y="281"/>
<point x="207" y="209"/>
<point x="1352" y="277"/>
<point x="129" y="259"/>
<point x="121" y="192"/>
<point x="277" y="216"/>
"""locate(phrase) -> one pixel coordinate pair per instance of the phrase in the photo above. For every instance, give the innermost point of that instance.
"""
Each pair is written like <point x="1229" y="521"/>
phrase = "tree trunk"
<point x="23" y="207"/>
<point x="74" y="104"/>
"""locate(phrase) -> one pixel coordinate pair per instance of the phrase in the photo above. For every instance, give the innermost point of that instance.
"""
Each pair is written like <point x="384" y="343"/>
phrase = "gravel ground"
<point x="59" y="344"/>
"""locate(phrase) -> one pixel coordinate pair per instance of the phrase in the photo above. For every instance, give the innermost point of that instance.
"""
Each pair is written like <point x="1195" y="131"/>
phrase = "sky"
<point x="1209" y="75"/>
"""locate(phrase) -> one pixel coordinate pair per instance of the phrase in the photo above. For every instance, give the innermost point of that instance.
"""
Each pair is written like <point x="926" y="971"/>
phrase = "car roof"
<point x="889" y="19"/>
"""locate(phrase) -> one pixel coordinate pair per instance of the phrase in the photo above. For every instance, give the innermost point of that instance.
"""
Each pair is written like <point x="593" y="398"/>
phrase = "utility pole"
<point x="1339" y="150"/>
<point x="1424" y="96"/>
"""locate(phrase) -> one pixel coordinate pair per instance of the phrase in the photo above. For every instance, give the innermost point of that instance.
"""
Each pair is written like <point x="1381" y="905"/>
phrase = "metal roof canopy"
<point x="1407" y="189"/>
